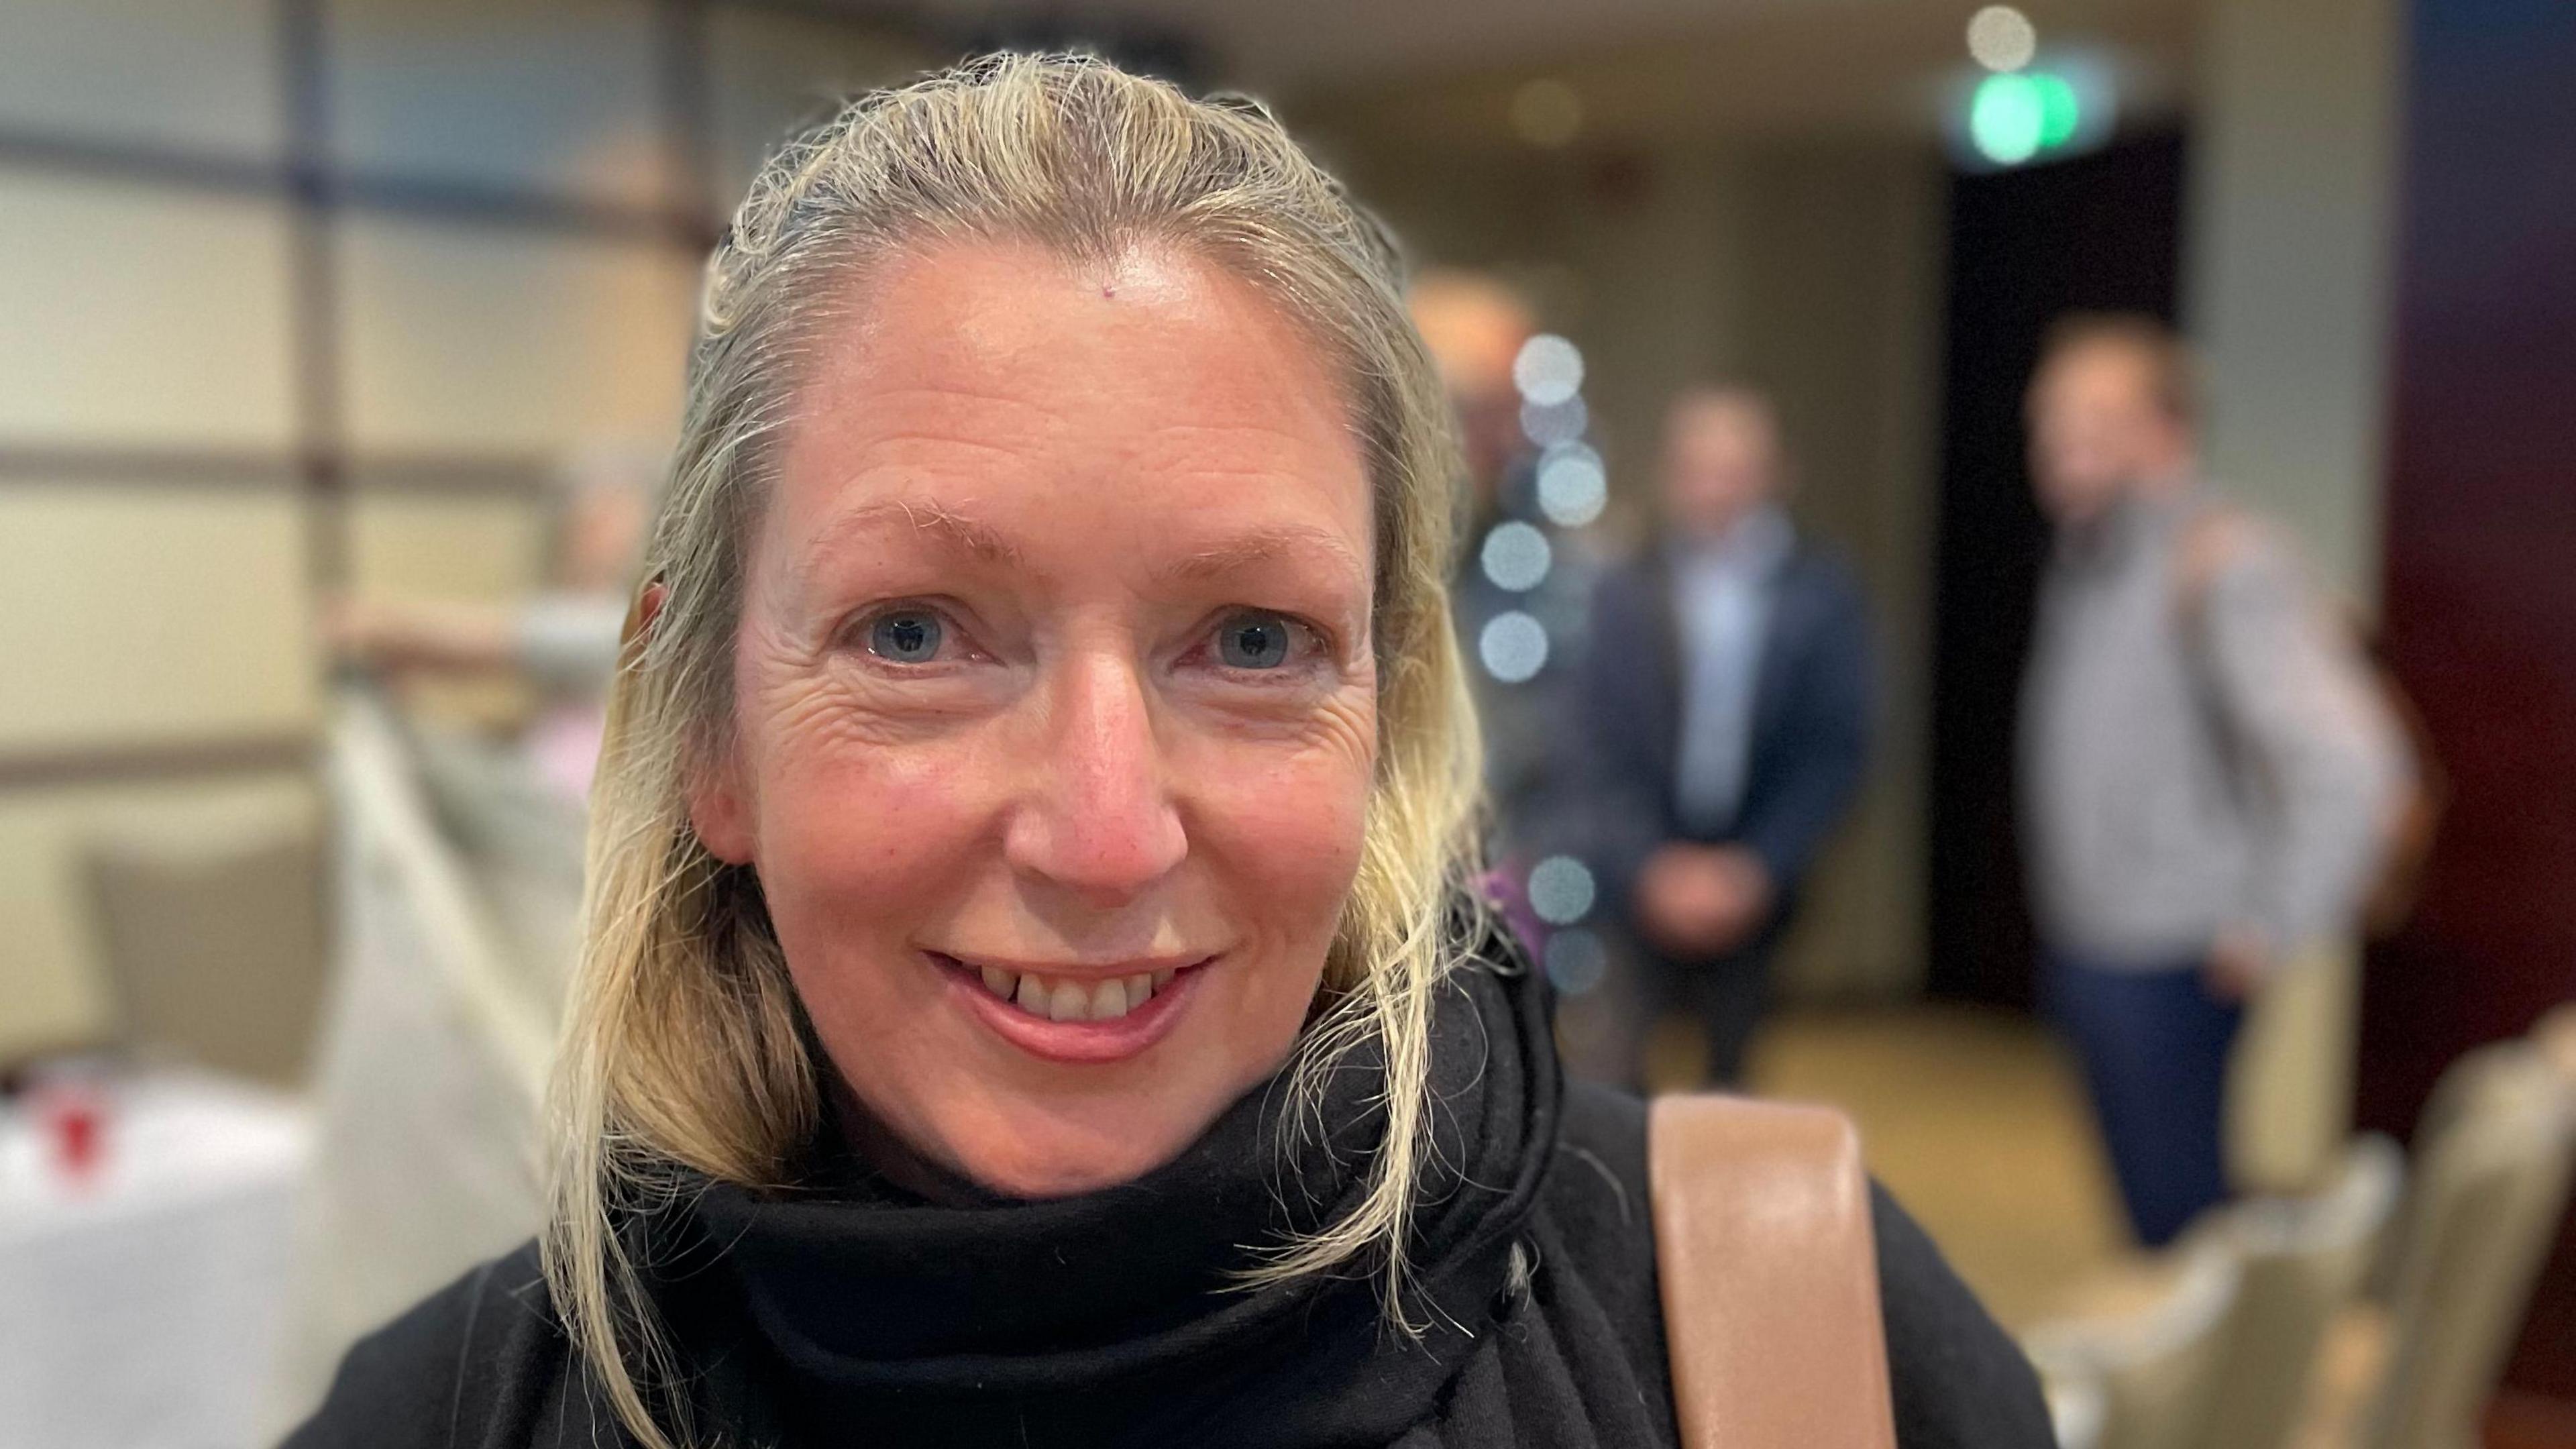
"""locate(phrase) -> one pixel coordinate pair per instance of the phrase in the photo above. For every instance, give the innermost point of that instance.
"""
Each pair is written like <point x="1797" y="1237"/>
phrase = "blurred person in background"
<point x="1721" y="722"/>
<point x="1033" y="992"/>
<point x="2207" y="769"/>
<point x="1475" y="326"/>
<point x="561" y="640"/>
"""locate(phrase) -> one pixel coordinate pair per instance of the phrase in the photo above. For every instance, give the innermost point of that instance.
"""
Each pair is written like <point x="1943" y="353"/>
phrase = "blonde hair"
<point x="683" y="1050"/>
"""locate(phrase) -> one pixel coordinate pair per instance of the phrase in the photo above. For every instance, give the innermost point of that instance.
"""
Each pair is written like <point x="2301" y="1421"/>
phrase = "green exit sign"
<point x="2020" y="116"/>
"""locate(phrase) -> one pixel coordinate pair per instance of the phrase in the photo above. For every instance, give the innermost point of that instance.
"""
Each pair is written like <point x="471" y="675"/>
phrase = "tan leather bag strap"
<point x="1769" y="1273"/>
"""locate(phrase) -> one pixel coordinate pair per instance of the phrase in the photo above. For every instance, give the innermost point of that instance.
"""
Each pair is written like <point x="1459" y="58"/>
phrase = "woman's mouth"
<point x="1084" y="1015"/>
<point x="1065" y="998"/>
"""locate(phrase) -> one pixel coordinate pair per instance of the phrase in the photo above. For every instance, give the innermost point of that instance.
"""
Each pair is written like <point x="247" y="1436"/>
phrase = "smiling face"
<point x="1055" y="708"/>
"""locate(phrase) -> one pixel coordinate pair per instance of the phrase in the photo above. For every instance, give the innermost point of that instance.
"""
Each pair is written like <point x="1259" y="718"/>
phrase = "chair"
<point x="2075" y="1407"/>
<point x="2555" y="1036"/>
<point x="2289" y="1079"/>
<point x="214" y="943"/>
<point x="2303" y="1260"/>
<point x="2495" y="1150"/>
<point x="2157" y="1367"/>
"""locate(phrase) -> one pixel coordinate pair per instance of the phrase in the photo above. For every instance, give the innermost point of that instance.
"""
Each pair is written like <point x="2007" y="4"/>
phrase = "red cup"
<point x="74" y="1122"/>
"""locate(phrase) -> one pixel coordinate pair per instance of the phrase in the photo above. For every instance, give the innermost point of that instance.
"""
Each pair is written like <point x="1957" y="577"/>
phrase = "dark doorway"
<point x="2099" y="233"/>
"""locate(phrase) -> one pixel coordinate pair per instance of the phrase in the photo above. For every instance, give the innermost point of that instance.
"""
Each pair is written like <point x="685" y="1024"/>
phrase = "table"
<point x="144" y="1307"/>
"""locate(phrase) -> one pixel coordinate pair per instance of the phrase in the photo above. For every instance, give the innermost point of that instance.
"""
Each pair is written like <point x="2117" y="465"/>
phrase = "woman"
<point x="1029" y="995"/>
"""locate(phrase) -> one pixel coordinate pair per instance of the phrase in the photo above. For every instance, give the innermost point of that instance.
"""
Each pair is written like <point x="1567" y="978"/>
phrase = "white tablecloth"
<point x="143" y="1308"/>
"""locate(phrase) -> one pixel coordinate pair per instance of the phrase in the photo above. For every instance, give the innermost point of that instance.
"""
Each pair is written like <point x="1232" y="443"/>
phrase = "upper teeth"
<point x="1060" y="998"/>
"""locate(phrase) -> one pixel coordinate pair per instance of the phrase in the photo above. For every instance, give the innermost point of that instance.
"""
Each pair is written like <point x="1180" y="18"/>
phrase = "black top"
<point x="854" y="1312"/>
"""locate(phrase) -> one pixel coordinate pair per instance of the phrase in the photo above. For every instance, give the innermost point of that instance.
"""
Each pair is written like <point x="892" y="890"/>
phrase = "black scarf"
<point x="852" y="1311"/>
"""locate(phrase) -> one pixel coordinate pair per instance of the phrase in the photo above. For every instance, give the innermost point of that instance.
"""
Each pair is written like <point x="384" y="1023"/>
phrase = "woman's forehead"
<point x="981" y="330"/>
<point x="994" y="385"/>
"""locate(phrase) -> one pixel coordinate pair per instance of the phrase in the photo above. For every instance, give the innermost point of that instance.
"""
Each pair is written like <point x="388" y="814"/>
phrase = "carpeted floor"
<point x="1977" y="1121"/>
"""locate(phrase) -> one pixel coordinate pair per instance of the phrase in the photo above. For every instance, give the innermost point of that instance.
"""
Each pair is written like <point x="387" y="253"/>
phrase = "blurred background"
<point x="340" y="341"/>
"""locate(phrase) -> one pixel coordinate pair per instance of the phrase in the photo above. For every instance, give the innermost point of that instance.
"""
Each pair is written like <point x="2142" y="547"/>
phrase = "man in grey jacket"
<point x="2206" y="764"/>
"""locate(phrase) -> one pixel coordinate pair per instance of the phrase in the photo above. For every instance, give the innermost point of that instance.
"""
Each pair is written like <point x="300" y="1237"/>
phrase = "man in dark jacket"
<point x="1721" y="724"/>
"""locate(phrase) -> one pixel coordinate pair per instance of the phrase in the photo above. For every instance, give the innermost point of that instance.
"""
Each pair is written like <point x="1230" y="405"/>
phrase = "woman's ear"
<point x="718" y="809"/>
<point x="640" y="617"/>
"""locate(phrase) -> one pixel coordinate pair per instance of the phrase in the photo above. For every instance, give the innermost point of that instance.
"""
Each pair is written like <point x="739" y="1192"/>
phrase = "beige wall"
<point x="142" y="316"/>
<point x="1843" y="316"/>
<point x="135" y="616"/>
<point x="2287" y="273"/>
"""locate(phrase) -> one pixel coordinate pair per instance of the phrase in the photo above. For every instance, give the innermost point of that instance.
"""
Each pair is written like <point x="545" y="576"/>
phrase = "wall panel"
<point x="771" y="73"/>
<point x="140" y="316"/>
<point x="558" y="99"/>
<point x="470" y="337"/>
<point x="145" y="616"/>
<point x="419" y="543"/>
<point x="199" y="76"/>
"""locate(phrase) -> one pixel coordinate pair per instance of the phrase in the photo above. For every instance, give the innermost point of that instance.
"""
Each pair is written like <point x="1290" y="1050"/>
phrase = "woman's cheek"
<point x="1295" y="830"/>
<point x="866" y="825"/>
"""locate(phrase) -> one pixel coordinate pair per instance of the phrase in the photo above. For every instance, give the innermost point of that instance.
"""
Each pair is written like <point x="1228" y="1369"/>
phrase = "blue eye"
<point x="906" y="636"/>
<point x="1253" y="641"/>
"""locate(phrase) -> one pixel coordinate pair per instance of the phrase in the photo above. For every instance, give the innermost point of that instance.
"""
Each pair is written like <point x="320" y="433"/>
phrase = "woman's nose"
<point x="1097" y="817"/>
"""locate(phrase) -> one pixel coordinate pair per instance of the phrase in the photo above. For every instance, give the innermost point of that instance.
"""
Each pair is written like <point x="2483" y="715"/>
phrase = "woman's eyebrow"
<point x="1247" y="550"/>
<point x="950" y="530"/>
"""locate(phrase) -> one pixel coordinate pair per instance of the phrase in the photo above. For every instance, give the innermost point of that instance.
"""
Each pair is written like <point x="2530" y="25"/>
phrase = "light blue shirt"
<point x="1722" y="597"/>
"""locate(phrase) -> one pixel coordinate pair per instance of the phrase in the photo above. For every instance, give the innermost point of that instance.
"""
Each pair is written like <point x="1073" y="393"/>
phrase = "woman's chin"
<point x="1045" y="1165"/>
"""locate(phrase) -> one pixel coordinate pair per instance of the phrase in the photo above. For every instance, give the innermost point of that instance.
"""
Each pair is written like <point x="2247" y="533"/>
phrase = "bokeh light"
<point x="1516" y="556"/>
<point x="1549" y="369"/>
<point x="2007" y="119"/>
<point x="1573" y="487"/>
<point x="1513" y="647"/>
<point x="2001" y="38"/>
<point x="2061" y="112"/>
<point x="1561" y="890"/>
<point x="1551" y="425"/>
<point x="1577" y="962"/>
